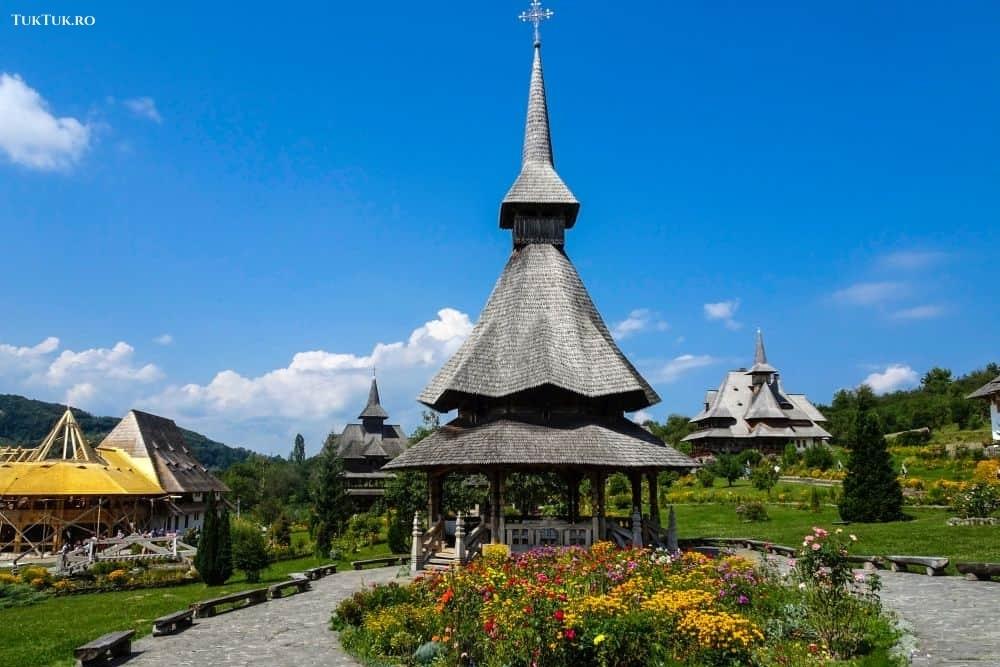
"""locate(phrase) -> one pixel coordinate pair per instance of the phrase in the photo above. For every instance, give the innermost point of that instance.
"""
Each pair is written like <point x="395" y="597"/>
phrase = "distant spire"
<point x="760" y="364"/>
<point x="538" y="190"/>
<point x="374" y="408"/>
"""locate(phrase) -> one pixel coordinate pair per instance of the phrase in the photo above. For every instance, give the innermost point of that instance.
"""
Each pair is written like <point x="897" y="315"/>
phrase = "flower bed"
<point x="606" y="606"/>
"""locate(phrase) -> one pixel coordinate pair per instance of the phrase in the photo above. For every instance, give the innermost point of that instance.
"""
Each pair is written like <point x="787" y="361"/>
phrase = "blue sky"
<point x="227" y="214"/>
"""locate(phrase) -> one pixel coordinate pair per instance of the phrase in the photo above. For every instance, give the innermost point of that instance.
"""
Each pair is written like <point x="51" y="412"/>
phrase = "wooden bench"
<point x="869" y="563"/>
<point x="171" y="623"/>
<point x="274" y="591"/>
<point x="933" y="565"/>
<point x="979" y="571"/>
<point x="388" y="560"/>
<point x="206" y="608"/>
<point x="782" y="550"/>
<point x="321" y="571"/>
<point x="111" y="645"/>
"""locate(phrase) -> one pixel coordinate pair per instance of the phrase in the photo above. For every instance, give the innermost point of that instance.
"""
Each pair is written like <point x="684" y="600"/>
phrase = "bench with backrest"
<point x="206" y="608"/>
<point x="111" y="645"/>
<point x="979" y="571"/>
<point x="933" y="565"/>
<point x="388" y="560"/>
<point x="275" y="591"/>
<point x="174" y="622"/>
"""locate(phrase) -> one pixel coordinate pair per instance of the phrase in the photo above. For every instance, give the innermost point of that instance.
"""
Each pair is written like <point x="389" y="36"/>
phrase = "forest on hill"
<point x="940" y="401"/>
<point x="25" y="421"/>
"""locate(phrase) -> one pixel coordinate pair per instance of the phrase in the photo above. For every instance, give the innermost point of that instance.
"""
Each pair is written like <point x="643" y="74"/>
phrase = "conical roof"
<point x="989" y="389"/>
<point x="760" y="364"/>
<point x="374" y="409"/>
<point x="764" y="405"/>
<point x="538" y="186"/>
<point x="74" y="447"/>
<point x="539" y="327"/>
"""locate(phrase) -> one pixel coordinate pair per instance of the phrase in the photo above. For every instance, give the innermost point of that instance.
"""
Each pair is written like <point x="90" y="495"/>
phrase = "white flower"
<point x="854" y="538"/>
<point x="802" y="586"/>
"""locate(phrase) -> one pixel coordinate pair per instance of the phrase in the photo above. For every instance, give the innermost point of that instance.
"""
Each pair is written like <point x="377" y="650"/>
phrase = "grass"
<point x="925" y="535"/>
<point x="46" y="633"/>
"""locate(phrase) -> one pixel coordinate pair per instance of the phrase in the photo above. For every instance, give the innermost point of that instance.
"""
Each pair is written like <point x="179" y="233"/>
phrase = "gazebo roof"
<point x="991" y="388"/>
<point x="539" y="327"/>
<point x="613" y="443"/>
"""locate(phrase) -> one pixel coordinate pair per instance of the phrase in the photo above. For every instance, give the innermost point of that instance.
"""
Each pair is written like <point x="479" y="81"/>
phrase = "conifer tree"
<point x="208" y="544"/>
<point x="331" y="506"/>
<point x="871" y="489"/>
<point x="224" y="557"/>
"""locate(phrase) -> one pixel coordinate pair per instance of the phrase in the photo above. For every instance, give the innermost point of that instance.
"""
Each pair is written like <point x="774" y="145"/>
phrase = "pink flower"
<point x="816" y="546"/>
<point x="808" y="539"/>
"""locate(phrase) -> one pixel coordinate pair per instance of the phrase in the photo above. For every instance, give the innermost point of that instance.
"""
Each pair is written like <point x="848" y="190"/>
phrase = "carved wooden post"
<point x="417" y="549"/>
<point x="636" y="528"/>
<point x="672" y="545"/>
<point x="601" y="509"/>
<point x="654" y="497"/>
<point x="460" y="538"/>
<point x="494" y="509"/>
<point x="173" y="547"/>
<point x="501" y="519"/>
<point x="595" y="502"/>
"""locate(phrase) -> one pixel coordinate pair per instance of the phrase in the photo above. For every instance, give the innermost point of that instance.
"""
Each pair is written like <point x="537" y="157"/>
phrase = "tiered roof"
<point x="540" y="382"/>
<point x="373" y="438"/>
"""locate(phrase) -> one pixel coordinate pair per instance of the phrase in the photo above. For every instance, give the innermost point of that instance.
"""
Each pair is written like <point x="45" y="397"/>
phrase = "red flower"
<point x="447" y="596"/>
<point x="569" y="633"/>
<point x="559" y="615"/>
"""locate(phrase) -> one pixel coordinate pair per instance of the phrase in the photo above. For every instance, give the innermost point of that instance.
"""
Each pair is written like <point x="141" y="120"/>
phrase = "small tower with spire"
<point x="761" y="371"/>
<point x="374" y="415"/>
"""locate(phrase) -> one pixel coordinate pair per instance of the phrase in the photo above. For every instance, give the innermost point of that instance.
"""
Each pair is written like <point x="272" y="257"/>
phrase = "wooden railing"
<point x="133" y="547"/>
<point x="475" y="540"/>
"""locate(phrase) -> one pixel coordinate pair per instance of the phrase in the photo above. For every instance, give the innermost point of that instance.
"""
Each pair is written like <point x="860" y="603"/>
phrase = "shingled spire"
<point x="539" y="206"/>
<point x="760" y="365"/>
<point x="374" y="409"/>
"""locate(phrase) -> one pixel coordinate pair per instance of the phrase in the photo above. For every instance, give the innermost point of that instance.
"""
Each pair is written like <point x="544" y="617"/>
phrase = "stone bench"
<point x="388" y="560"/>
<point x="111" y="645"/>
<point x="979" y="571"/>
<point x="275" y="591"/>
<point x="933" y="565"/>
<point x="206" y="608"/>
<point x="171" y="623"/>
<point x="321" y="571"/>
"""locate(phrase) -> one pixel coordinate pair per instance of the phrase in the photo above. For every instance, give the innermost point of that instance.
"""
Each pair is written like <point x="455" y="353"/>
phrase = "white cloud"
<point x="144" y="107"/>
<point x="641" y="417"/>
<point x="30" y="135"/>
<point x="97" y="364"/>
<point x="723" y="311"/>
<point x="912" y="259"/>
<point x="640" y="319"/>
<point x="681" y="365"/>
<point x="164" y="339"/>
<point x="870" y="294"/>
<point x="24" y="361"/>
<point x="925" y="312"/>
<point x="316" y="385"/>
<point x="895" y="376"/>
<point x="80" y="394"/>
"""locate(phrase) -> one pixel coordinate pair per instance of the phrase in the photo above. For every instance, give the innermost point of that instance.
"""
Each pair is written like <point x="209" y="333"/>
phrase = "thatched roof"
<point x="538" y="184"/>
<point x="582" y="442"/>
<point x="538" y="328"/>
<point x="989" y="389"/>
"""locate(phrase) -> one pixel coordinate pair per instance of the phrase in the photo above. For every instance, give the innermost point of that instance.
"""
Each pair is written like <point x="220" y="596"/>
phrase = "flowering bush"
<point x="572" y="606"/>
<point x="979" y="500"/>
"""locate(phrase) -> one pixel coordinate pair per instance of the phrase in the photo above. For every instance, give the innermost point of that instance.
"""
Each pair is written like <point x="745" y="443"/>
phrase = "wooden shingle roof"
<point x="989" y="389"/>
<point x="539" y="327"/>
<point x="374" y="409"/>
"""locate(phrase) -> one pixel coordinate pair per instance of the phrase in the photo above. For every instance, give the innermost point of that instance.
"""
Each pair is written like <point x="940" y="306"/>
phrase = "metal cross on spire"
<point x="535" y="16"/>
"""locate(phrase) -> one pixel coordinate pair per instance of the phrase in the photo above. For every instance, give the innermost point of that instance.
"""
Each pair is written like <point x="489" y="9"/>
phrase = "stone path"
<point x="289" y="631"/>
<point x="954" y="623"/>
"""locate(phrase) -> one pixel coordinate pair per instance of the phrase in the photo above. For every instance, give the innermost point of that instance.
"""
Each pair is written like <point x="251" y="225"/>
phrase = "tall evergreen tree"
<point x="330" y="503"/>
<point x="224" y="556"/>
<point x="208" y="544"/>
<point x="298" y="450"/>
<point x="871" y="489"/>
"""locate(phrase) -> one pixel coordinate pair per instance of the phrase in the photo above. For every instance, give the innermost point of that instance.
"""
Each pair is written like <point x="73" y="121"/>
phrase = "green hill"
<point x="25" y="421"/>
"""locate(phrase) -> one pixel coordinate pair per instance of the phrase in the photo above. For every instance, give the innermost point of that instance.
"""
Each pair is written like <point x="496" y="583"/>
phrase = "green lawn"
<point x="926" y="535"/>
<point x="46" y="633"/>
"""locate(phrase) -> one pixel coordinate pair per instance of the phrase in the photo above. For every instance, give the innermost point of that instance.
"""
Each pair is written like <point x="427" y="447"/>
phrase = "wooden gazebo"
<point x="540" y="384"/>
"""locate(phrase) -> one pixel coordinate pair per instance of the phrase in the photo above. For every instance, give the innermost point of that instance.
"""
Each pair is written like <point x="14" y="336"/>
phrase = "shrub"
<point x="281" y="531"/>
<point x="249" y="549"/>
<point x="764" y="476"/>
<point x="913" y="438"/>
<point x="750" y="457"/>
<point x="815" y="500"/>
<point x="399" y="535"/>
<point x="818" y="456"/>
<point x="790" y="456"/>
<point x="19" y="595"/>
<point x="987" y="471"/>
<point x="728" y="467"/>
<point x="706" y="476"/>
<point x="981" y="500"/>
<point x="752" y="511"/>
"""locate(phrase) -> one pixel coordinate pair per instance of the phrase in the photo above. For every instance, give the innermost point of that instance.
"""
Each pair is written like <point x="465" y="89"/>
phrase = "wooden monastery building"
<point x="752" y="410"/>
<point x="368" y="446"/>
<point x="540" y="386"/>
<point x="142" y="477"/>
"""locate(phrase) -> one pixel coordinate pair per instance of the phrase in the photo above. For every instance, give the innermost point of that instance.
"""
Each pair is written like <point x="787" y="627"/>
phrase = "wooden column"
<point x="636" y="479"/>
<point x="501" y="521"/>
<point x="595" y="518"/>
<point x="653" y="480"/>
<point x="435" y="492"/>
<point x="494" y="507"/>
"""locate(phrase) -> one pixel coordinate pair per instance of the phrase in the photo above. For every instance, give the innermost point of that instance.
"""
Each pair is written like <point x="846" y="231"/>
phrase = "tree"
<point x="765" y="475"/>
<point x="208" y="545"/>
<point x="936" y="381"/>
<point x="871" y="490"/>
<point x="330" y="504"/>
<point x="224" y="557"/>
<point x="249" y="549"/>
<point x="281" y="531"/>
<point x="728" y="467"/>
<point x="298" y="450"/>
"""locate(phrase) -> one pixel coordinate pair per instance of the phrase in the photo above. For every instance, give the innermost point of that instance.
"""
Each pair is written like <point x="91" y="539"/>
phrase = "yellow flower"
<point x="599" y="639"/>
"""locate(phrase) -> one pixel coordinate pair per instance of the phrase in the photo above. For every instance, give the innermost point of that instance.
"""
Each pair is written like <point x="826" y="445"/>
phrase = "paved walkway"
<point x="289" y="631"/>
<point x="954" y="623"/>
